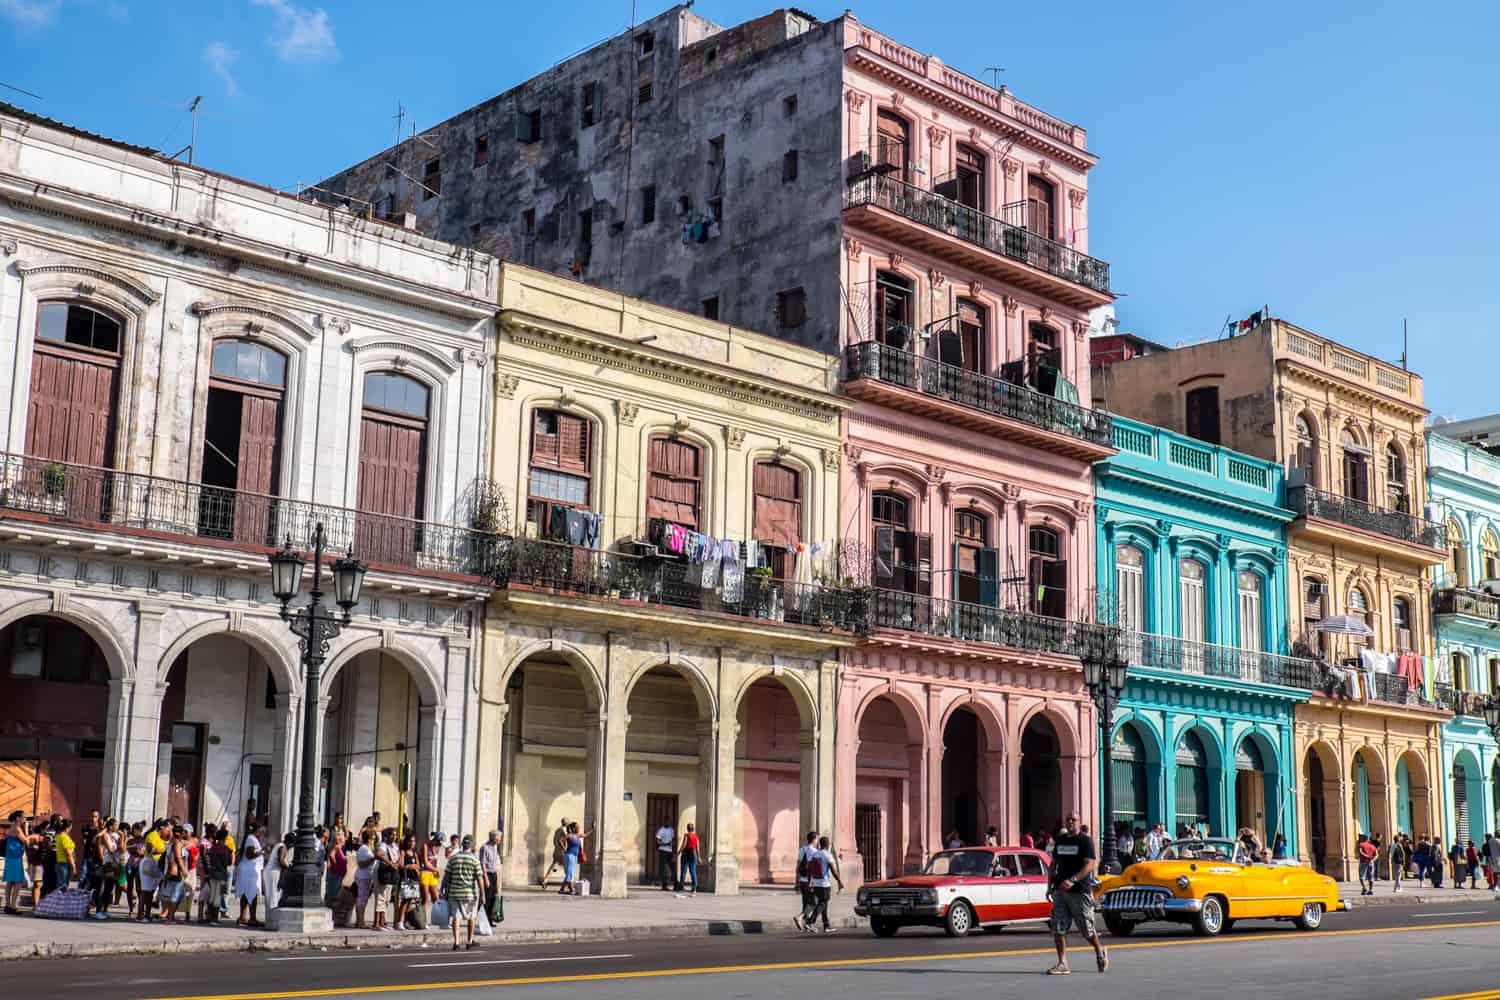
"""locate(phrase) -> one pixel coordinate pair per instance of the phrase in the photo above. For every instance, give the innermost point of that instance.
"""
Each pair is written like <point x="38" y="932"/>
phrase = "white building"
<point x="195" y="368"/>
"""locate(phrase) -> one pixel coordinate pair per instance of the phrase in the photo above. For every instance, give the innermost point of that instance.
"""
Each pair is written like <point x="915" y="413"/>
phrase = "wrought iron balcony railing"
<point x="1475" y="603"/>
<point x="1017" y="243"/>
<point x="569" y="569"/>
<point x="1308" y="502"/>
<point x="943" y="618"/>
<point x="1458" y="702"/>
<point x="1205" y="659"/>
<point x="113" y="500"/>
<point x="981" y="392"/>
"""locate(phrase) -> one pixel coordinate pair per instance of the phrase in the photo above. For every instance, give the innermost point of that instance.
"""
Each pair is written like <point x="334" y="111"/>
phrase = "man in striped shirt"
<point x="463" y="889"/>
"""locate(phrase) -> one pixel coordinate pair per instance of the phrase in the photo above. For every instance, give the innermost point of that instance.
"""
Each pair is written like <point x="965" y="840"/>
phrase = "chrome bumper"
<point x="1346" y="904"/>
<point x="1157" y="907"/>
<point x="926" y="911"/>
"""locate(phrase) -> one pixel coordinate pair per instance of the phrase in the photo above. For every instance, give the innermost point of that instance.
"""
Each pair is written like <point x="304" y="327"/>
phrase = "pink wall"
<point x="770" y="771"/>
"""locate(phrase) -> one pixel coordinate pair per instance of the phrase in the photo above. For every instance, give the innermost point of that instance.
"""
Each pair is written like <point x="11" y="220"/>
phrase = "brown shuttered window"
<point x="74" y="378"/>
<point x="1039" y="207"/>
<point x="674" y="481"/>
<point x="778" y="514"/>
<point x="561" y="465"/>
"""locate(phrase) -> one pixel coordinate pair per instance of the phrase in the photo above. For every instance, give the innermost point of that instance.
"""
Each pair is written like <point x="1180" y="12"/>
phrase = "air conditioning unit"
<point x="641" y="547"/>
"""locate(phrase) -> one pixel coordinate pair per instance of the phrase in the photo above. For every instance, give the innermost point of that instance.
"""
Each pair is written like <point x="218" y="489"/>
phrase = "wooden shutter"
<point x="1054" y="579"/>
<point x="255" y="480"/>
<point x="778" y="505"/>
<point x="885" y="557"/>
<point x="673" y="479"/>
<point x="1039" y="205"/>
<point x="71" y="412"/>
<point x="989" y="577"/>
<point x="390" y="482"/>
<point x="924" y="564"/>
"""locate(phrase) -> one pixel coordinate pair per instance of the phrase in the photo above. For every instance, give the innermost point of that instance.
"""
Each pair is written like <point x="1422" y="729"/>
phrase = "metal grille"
<point x="895" y="897"/>
<point x="1134" y="899"/>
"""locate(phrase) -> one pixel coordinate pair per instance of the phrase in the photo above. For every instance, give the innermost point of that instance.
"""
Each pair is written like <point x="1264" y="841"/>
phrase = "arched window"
<point x="674" y="486"/>
<point x="1314" y="610"/>
<point x="75" y="371"/>
<point x="1356" y="467"/>
<point x="893" y="143"/>
<point x="1307" y="450"/>
<point x="1130" y="588"/>
<point x="1401" y="619"/>
<point x="969" y="177"/>
<point x="1456" y="569"/>
<point x="972" y="334"/>
<point x="976" y="566"/>
<point x="1489" y="554"/>
<point x="903" y="558"/>
<point x="1359" y="607"/>
<point x="1128" y="764"/>
<point x="778" y="515"/>
<point x="392" y="462"/>
<point x="1047" y="573"/>
<point x="1252" y="625"/>
<point x="242" y="441"/>
<point x="1396" y="497"/>
<point x="560" y="474"/>
<point x="1193" y="609"/>
<point x="1460" y="665"/>
<point x="1041" y="207"/>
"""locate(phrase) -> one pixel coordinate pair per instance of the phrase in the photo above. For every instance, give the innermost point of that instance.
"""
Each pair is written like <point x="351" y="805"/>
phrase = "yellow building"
<point x="625" y="686"/>
<point x="1349" y="429"/>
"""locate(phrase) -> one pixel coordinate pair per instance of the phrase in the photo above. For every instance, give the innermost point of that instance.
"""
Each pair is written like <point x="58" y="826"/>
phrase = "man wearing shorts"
<point x="559" y="852"/>
<point x="463" y="889"/>
<point x="1071" y="891"/>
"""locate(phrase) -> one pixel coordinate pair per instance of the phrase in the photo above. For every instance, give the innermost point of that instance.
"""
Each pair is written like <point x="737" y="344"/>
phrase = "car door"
<point x="1007" y="892"/>
<point x="1033" y="871"/>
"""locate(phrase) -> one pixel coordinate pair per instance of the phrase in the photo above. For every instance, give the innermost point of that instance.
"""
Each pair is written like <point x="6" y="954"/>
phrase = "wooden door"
<point x="20" y="784"/>
<point x="391" y="459"/>
<point x="661" y="810"/>
<point x="255" y="479"/>
<point x="1039" y="207"/>
<point x="70" y="420"/>
<point x="185" y="784"/>
<point x="867" y="840"/>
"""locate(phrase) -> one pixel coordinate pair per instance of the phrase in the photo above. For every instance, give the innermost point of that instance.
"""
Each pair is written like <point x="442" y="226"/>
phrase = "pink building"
<point x="967" y="472"/>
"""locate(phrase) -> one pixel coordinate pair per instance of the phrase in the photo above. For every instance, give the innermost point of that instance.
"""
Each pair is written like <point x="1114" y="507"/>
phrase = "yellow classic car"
<point x="1212" y="884"/>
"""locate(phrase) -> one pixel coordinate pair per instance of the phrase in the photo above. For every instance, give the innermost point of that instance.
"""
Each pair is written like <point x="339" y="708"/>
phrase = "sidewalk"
<point x="1414" y="893"/>
<point x="530" y="916"/>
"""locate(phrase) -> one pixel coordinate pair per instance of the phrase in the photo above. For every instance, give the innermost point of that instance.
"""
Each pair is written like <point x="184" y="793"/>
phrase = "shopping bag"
<point x="439" y="916"/>
<point x="482" y="925"/>
<point x="497" y="913"/>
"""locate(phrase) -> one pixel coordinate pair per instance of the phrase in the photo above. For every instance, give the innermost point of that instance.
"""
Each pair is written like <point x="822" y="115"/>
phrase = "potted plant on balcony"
<point x="54" y="479"/>
<point x="626" y="580"/>
<point x="762" y="593"/>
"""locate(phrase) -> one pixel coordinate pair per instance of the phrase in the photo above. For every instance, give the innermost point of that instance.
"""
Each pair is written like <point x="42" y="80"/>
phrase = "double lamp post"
<point x="1104" y="671"/>
<point x="301" y="908"/>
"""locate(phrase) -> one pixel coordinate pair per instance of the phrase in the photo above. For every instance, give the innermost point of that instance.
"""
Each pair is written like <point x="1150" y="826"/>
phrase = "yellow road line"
<point x="832" y="963"/>
<point x="1490" y="994"/>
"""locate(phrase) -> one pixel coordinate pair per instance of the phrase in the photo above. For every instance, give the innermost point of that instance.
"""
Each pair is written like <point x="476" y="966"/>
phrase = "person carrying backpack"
<point x="822" y="872"/>
<point x="1396" y="857"/>
<point x="809" y="901"/>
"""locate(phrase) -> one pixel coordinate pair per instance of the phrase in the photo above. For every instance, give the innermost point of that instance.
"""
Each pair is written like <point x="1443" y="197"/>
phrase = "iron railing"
<point x="1475" y="603"/>
<point x="111" y="499"/>
<point x="570" y="569"/>
<point x="1164" y="652"/>
<point x="1308" y="502"/>
<point x="973" y="226"/>
<point x="949" y="619"/>
<point x="981" y="392"/>
<point x="1458" y="702"/>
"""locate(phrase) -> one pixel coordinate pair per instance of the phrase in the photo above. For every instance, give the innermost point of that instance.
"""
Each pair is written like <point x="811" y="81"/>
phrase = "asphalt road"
<point x="1424" y="951"/>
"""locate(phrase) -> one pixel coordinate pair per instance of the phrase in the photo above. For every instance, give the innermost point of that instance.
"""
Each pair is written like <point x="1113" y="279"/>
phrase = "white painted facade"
<point x="182" y="256"/>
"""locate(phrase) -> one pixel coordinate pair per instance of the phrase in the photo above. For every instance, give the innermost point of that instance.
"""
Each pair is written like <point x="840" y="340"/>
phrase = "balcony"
<point x="1470" y="603"/>
<point x="135" y="504"/>
<point x="1000" y="627"/>
<point x="886" y="204"/>
<point x="1392" y="524"/>
<point x="631" y="583"/>
<point x="1202" y="659"/>
<point x="1467" y="703"/>
<point x="918" y="384"/>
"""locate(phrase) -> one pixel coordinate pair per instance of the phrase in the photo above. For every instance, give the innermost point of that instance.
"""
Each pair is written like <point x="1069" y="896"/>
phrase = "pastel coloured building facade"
<point x="1192" y="551"/>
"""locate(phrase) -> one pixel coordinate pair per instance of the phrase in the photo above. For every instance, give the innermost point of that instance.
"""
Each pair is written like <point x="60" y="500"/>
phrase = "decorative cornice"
<point x="404" y="347"/>
<point x="527" y="332"/>
<point x="976" y="289"/>
<point x="208" y="311"/>
<point x="830" y="459"/>
<point x="936" y="277"/>
<point x="138" y="290"/>
<point x="853" y="248"/>
<point x="1011" y="167"/>
<point x="1009" y="303"/>
<point x="1076" y="197"/>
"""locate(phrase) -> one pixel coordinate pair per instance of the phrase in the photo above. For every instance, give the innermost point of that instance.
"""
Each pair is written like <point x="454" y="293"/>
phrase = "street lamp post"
<point x="1104" y="671"/>
<point x="301" y="908"/>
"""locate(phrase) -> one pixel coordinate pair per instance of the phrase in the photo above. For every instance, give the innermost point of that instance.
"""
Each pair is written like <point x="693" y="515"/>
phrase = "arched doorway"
<point x="1324" y="828"/>
<point x="1468" y="798"/>
<point x="1040" y="777"/>
<point x="775" y="778"/>
<point x="669" y="769"/>
<point x="1192" y="795"/>
<point x="549" y="754"/>
<point x="890" y="806"/>
<point x="54" y="683"/>
<point x="964" y="813"/>
<point x="1131" y="788"/>
<point x="1368" y="787"/>
<point x="1257" y="788"/>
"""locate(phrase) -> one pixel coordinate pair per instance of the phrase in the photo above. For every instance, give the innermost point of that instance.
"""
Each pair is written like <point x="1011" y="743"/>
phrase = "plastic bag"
<point x="482" y="926"/>
<point x="439" y="917"/>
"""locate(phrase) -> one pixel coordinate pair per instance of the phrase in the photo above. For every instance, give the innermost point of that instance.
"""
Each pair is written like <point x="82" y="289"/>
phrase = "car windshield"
<point x="1204" y="850"/>
<point x="961" y="863"/>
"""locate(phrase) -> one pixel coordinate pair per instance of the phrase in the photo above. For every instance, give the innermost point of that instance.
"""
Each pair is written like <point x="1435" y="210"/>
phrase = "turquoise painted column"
<point x="1291" y="780"/>
<point x="1169" y="774"/>
<point x="1225" y="627"/>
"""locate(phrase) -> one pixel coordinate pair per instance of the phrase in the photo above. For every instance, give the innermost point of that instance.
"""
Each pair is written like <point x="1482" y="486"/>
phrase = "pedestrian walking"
<point x="1367" y="852"/>
<point x="15" y="861"/>
<point x="559" y="852"/>
<point x="666" y="837"/>
<point x="247" y="874"/>
<point x="489" y="868"/>
<point x="822" y="872"/>
<point x="688" y="855"/>
<point x="574" y="856"/>
<point x="1395" y="856"/>
<point x="1471" y="862"/>
<point x="804" y="886"/>
<point x="463" y="888"/>
<point x="1071" y="889"/>
<point x="1492" y="851"/>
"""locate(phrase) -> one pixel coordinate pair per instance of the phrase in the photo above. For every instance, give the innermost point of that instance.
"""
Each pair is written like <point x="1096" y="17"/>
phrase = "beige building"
<point x="1349" y="429"/>
<point x="626" y="686"/>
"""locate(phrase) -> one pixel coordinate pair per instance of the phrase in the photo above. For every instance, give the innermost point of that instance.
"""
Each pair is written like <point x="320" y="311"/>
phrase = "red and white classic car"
<point x="961" y="890"/>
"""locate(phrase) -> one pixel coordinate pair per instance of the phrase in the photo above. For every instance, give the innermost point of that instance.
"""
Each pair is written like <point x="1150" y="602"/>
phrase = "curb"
<point x="271" y="941"/>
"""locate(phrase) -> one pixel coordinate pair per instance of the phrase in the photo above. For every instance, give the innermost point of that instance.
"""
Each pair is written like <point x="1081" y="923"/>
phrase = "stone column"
<point x="824" y="815"/>
<point x="721" y="870"/>
<point x="808" y="781"/>
<point x="605" y="767"/>
<point x="992" y="789"/>
<point x="843" y="778"/>
<point x="141" y="750"/>
<point x="918" y="835"/>
<point x="433" y="811"/>
<point x="285" y="762"/>
<point x="117" y="747"/>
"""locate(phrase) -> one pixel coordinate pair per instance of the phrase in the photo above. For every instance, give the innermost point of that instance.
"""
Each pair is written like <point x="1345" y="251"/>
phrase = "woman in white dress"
<point x="247" y="881"/>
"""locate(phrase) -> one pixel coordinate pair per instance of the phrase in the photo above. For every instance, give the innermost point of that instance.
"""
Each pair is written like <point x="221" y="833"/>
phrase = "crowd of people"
<point x="1136" y="843"/>
<point x="1426" y="860"/>
<point x="170" y="872"/>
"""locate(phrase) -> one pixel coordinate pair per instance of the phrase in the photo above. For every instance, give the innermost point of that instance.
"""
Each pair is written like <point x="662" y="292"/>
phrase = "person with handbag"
<point x="108" y="855"/>
<point x="409" y="890"/>
<point x="173" y="889"/>
<point x="387" y="878"/>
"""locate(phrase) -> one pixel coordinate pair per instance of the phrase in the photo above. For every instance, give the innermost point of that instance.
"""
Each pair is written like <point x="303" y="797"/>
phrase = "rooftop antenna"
<point x="1403" y="343"/>
<point x="193" y="137"/>
<point x="994" y="72"/>
<point x="22" y="90"/>
<point x="400" y="117"/>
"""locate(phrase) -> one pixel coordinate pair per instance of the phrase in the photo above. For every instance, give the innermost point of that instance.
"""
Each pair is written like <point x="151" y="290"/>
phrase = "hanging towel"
<point x="577" y="520"/>
<point x="557" y="525"/>
<point x="712" y="557"/>
<point x="592" y="529"/>
<point x="733" y="590"/>
<point x="752" y="553"/>
<point x="676" y="535"/>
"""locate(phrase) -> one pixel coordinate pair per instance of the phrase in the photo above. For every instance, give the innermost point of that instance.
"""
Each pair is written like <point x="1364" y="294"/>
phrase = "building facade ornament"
<point x="627" y="412"/>
<point x="853" y="248"/>
<point x="936" y="277"/>
<point x="506" y="384"/>
<point x="1009" y="304"/>
<point x="854" y="99"/>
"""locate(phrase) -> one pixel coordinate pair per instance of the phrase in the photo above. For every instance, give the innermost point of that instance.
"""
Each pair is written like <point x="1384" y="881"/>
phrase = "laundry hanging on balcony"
<point x="576" y="527"/>
<point x="1345" y="625"/>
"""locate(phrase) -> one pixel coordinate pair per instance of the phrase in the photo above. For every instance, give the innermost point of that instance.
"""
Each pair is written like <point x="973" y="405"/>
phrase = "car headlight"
<point x="863" y="896"/>
<point x="929" y="895"/>
<point x="1183" y="882"/>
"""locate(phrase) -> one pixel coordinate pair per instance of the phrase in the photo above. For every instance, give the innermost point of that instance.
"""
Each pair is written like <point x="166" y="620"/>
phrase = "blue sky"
<point x="1334" y="160"/>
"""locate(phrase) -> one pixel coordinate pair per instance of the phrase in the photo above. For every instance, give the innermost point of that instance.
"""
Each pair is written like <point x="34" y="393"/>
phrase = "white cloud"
<point x="220" y="57"/>
<point x="304" y="31"/>
<point x="30" y="12"/>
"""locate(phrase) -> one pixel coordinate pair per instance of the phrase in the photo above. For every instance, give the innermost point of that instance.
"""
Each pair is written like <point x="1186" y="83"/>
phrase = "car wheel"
<point x="1119" y="926"/>
<point x="960" y="920"/>
<point x="1311" y="917"/>
<point x="1209" y="921"/>
<point x="883" y="928"/>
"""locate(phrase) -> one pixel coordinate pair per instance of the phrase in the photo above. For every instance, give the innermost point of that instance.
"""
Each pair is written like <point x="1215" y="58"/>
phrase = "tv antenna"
<point x="22" y="90"/>
<point x="193" y="136"/>
<point x="994" y="72"/>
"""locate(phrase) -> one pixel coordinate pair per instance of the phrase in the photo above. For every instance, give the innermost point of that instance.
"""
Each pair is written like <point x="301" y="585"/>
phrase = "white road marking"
<point x="347" y="953"/>
<point x="1454" y="913"/>
<point x="519" y="961"/>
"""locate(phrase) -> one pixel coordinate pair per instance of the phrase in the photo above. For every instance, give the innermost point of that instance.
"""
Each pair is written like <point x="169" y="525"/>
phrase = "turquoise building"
<point x="1192" y="563"/>
<point x="1463" y="487"/>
